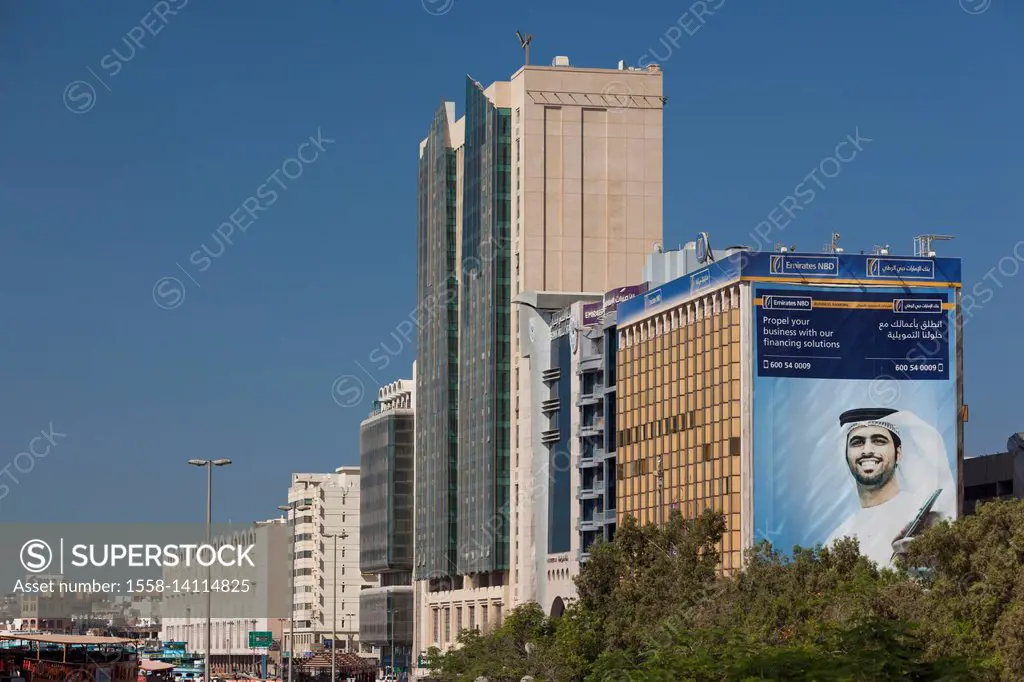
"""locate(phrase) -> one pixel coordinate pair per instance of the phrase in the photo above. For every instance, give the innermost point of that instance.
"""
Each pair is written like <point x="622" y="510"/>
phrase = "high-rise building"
<point x="551" y="181"/>
<point x="437" y="347"/>
<point x="386" y="518"/>
<point x="586" y="209"/>
<point x="484" y="305"/>
<point x="326" y="505"/>
<point x="805" y="396"/>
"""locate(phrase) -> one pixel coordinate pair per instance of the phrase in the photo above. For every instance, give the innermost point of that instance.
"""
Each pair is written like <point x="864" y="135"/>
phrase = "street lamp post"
<point x="252" y="630"/>
<point x="209" y="464"/>
<point x="297" y="505"/>
<point x="334" y="619"/>
<point x="390" y="633"/>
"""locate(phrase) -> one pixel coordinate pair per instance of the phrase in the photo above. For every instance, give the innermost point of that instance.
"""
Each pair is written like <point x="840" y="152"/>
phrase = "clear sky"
<point x="103" y="192"/>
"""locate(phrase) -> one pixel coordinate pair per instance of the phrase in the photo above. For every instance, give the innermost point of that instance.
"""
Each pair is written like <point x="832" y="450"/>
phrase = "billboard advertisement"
<point x="593" y="313"/>
<point x="855" y="410"/>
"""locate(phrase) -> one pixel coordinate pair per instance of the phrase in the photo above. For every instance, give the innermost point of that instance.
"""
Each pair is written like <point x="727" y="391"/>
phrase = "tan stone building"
<point x="552" y="181"/>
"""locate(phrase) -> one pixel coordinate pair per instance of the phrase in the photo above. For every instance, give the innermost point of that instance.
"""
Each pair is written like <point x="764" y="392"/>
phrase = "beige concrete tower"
<point x="586" y="209"/>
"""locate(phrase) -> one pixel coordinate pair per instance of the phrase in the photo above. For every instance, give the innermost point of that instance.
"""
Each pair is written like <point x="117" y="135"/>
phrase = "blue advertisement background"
<point x="802" y="486"/>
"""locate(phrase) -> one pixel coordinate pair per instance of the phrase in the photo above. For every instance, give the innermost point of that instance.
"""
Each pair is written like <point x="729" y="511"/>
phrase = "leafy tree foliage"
<point x="653" y="606"/>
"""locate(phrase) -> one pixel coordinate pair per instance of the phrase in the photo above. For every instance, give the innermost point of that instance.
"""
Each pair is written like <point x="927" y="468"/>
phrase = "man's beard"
<point x="879" y="477"/>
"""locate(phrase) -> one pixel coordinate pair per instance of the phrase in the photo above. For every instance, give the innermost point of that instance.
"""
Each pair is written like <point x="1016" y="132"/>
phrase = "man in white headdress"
<point x="893" y="508"/>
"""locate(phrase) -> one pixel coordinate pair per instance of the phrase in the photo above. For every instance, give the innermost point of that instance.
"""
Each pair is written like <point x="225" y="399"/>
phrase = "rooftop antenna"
<point x="833" y="247"/>
<point x="525" y="43"/>
<point x="923" y="244"/>
<point x="880" y="250"/>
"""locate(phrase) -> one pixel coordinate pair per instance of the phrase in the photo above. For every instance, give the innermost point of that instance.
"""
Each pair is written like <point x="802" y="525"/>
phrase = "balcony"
<point x="590" y="493"/>
<point x="582" y="556"/>
<point x="591" y="525"/>
<point x="553" y="374"/>
<point x="592" y="430"/>
<point x="587" y="461"/>
<point x="590" y="398"/>
<point x="593" y="363"/>
<point x="550" y="405"/>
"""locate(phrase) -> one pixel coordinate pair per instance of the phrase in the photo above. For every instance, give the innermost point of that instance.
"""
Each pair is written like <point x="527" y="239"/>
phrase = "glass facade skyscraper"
<point x="437" y="354"/>
<point x="484" y="344"/>
<point x="386" y="518"/>
<point x="386" y="499"/>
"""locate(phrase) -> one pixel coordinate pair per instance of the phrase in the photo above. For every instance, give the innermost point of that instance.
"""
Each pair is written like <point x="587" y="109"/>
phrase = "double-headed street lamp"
<point x="209" y="464"/>
<point x="297" y="505"/>
<point x="334" y="619"/>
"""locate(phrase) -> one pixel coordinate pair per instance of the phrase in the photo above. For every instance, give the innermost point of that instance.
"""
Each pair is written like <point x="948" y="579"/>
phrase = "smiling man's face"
<point x="872" y="455"/>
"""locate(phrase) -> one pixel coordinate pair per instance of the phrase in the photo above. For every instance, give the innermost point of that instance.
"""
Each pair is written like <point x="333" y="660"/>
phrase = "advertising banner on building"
<point x="593" y="313"/>
<point x="855" y="414"/>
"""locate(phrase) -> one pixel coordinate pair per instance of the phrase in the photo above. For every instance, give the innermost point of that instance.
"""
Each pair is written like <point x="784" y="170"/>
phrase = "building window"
<point x="472" y="617"/>
<point x="497" y="615"/>
<point x="483" y="616"/>
<point x="437" y="625"/>
<point x="447" y="625"/>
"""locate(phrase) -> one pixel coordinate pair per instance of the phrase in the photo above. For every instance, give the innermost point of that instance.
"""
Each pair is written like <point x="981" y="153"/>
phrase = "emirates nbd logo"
<point x="700" y="280"/>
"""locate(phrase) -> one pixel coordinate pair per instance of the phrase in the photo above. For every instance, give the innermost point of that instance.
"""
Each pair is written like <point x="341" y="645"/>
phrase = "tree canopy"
<point x="653" y="605"/>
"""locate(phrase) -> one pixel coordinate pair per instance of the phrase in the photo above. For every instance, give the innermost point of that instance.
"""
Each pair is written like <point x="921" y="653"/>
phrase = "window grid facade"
<point x="678" y="405"/>
<point x="484" y="342"/>
<point x="437" y="357"/>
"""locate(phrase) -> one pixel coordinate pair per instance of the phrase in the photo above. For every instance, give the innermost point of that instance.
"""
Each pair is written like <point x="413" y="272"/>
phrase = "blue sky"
<point x="97" y="206"/>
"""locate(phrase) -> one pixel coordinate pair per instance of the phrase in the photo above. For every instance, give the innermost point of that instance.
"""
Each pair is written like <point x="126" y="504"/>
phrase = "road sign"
<point x="260" y="640"/>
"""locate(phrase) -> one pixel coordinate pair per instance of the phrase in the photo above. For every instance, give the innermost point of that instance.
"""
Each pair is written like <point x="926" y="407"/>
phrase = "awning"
<point x="66" y="639"/>
<point x="155" y="666"/>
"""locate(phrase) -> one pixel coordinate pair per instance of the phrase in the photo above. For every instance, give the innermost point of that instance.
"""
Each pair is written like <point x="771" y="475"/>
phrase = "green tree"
<point x="653" y="606"/>
<point x="973" y="580"/>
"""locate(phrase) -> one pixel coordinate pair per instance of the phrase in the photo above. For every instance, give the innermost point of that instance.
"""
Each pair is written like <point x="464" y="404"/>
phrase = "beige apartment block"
<point x="587" y="205"/>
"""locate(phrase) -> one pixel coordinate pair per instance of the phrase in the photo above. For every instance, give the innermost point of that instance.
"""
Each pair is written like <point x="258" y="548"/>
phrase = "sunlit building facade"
<point x="679" y="415"/>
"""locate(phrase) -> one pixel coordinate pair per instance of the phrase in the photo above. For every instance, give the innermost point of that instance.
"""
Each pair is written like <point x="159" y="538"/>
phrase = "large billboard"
<point x="855" y="408"/>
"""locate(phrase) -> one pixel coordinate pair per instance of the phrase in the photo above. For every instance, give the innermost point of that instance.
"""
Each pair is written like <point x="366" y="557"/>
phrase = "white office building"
<point x="326" y="515"/>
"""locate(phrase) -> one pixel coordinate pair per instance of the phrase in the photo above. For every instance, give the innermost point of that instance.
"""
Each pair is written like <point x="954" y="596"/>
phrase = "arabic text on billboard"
<point x="855" y="415"/>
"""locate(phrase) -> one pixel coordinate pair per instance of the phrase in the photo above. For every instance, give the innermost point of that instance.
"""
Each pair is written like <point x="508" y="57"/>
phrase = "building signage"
<point x="805" y="266"/>
<point x="700" y="280"/>
<point x="560" y="322"/>
<point x="900" y="268"/>
<point x="794" y="268"/>
<point x="616" y="296"/>
<point x="704" y="252"/>
<point x="832" y="334"/>
<point x="260" y="639"/>
<point x="872" y="373"/>
<point x="593" y="313"/>
<point x="558" y="559"/>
